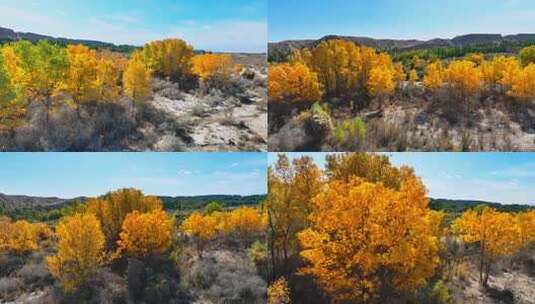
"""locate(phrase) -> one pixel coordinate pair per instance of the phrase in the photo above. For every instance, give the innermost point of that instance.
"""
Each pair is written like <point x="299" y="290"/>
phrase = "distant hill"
<point x="285" y="47"/>
<point x="8" y="35"/>
<point x="459" y="206"/>
<point x="10" y="203"/>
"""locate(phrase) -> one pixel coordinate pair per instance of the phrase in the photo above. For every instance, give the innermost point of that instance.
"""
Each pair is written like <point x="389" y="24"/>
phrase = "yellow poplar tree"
<point x="366" y="237"/>
<point x="523" y="84"/>
<point x="433" y="78"/>
<point x="168" y="58"/>
<point x="80" y="82"/>
<point x="463" y="78"/>
<point x="80" y="251"/>
<point x="145" y="234"/>
<point x="495" y="233"/>
<point x="293" y="83"/>
<point x="202" y="228"/>
<point x="137" y="79"/>
<point x="112" y="209"/>
<point x="212" y="66"/>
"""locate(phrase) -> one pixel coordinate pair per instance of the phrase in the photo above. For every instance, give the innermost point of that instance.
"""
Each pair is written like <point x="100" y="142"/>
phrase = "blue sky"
<point x="69" y="175"/>
<point x="496" y="177"/>
<point x="421" y="19"/>
<point x="216" y="25"/>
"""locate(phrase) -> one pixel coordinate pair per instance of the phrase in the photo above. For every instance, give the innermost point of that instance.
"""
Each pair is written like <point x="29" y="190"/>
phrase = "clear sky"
<point x="398" y="19"/>
<point x="69" y="175"/>
<point x="216" y="25"/>
<point x="497" y="177"/>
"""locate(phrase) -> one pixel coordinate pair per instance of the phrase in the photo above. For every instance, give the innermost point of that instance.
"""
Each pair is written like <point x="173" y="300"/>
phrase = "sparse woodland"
<point x="124" y="247"/>
<point x="362" y="231"/>
<point x="163" y="96"/>
<point x="339" y="96"/>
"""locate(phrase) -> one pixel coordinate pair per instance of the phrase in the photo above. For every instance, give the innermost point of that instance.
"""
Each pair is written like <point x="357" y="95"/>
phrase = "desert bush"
<point x="35" y="274"/>
<point x="350" y="135"/>
<point x="230" y="279"/>
<point x="9" y="287"/>
<point x="440" y="293"/>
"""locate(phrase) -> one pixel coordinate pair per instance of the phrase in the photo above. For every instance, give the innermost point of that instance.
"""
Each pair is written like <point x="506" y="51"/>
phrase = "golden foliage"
<point x="112" y="209"/>
<point x="496" y="233"/>
<point x="291" y="189"/>
<point x="365" y="236"/>
<point x="434" y="76"/>
<point x="19" y="237"/>
<point x="245" y="221"/>
<point x="137" y="79"/>
<point x="80" y="250"/>
<point x="213" y="66"/>
<point x="80" y="81"/>
<point x="413" y="76"/>
<point x="168" y="58"/>
<point x="463" y="77"/>
<point x="399" y="73"/>
<point x="381" y="82"/>
<point x="144" y="234"/>
<point x="107" y="80"/>
<point x="278" y="292"/>
<point x="523" y="83"/>
<point x="344" y="68"/>
<point x="293" y="83"/>
<point x="526" y="222"/>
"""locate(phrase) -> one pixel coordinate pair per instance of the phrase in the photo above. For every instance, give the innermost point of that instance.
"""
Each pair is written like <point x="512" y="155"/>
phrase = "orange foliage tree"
<point x="367" y="237"/>
<point x="145" y="234"/>
<point x="202" y="228"/>
<point x="80" y="251"/>
<point x="212" y="67"/>
<point x="293" y="83"/>
<point x="495" y="233"/>
<point x="112" y="208"/>
<point x="18" y="237"/>
<point x="523" y="83"/>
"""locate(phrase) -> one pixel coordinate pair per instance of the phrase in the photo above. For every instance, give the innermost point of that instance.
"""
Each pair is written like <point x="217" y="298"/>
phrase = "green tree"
<point x="527" y="55"/>
<point x="212" y="207"/>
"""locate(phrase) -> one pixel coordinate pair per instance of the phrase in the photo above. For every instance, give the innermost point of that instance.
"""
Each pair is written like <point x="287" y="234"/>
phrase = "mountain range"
<point x="14" y="202"/>
<point x="407" y="44"/>
<point x="8" y="35"/>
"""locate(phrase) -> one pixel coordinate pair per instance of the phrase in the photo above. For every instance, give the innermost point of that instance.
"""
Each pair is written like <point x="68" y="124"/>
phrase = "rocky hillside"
<point x="399" y="44"/>
<point x="10" y="202"/>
